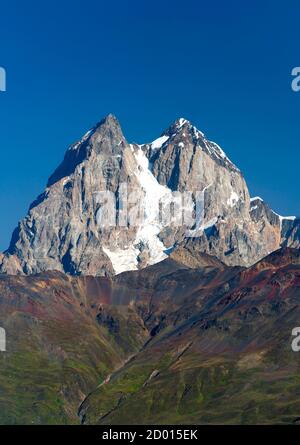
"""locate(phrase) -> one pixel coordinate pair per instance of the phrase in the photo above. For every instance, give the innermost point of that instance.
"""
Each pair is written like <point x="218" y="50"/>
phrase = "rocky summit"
<point x="113" y="206"/>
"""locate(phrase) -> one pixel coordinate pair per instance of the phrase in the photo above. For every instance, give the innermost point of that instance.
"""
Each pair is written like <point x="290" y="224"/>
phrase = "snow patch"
<point x="158" y="143"/>
<point x="256" y="198"/>
<point x="83" y="139"/>
<point x="147" y="234"/>
<point x="284" y="218"/>
<point x="234" y="198"/>
<point x="122" y="259"/>
<point x="197" y="133"/>
<point x="181" y="122"/>
<point x="290" y="218"/>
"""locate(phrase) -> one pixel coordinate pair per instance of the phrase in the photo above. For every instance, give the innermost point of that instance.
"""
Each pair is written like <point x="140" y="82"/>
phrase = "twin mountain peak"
<point x="61" y="230"/>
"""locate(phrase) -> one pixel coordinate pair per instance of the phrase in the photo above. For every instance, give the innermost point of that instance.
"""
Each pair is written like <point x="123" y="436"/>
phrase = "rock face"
<point x="110" y="207"/>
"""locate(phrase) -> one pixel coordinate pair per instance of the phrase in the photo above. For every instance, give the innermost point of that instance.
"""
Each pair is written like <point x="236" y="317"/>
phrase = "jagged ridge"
<point x="61" y="230"/>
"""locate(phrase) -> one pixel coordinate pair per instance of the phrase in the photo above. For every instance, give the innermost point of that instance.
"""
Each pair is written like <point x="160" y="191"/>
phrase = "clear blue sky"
<point x="224" y="65"/>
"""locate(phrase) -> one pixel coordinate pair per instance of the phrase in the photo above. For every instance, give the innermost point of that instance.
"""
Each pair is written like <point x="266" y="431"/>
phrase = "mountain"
<point x="223" y="355"/>
<point x="174" y="343"/>
<point x="113" y="206"/>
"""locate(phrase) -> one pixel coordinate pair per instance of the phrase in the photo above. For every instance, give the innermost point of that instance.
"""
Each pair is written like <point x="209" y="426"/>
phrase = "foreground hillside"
<point x="58" y="346"/>
<point x="188" y="340"/>
<point x="229" y="361"/>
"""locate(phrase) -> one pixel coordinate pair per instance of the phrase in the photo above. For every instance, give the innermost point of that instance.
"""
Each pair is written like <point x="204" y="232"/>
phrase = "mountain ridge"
<point x="61" y="230"/>
<point x="168" y="344"/>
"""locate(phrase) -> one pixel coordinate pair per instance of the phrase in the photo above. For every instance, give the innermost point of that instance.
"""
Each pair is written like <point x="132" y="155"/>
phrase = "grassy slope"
<point x="230" y="363"/>
<point x="57" y="354"/>
<point x="221" y="353"/>
<point x="253" y="389"/>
